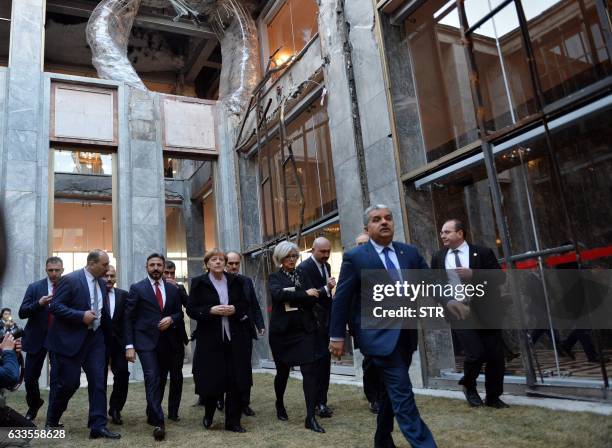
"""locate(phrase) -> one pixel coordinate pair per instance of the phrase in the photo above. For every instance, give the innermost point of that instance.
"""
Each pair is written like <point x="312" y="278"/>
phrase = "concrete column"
<point x="225" y="178"/>
<point x="140" y="192"/>
<point x="25" y="150"/>
<point x="344" y="130"/>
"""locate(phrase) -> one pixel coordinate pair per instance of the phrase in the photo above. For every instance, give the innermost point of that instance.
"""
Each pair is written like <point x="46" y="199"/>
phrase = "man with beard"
<point x="152" y="316"/>
<point x="35" y="308"/>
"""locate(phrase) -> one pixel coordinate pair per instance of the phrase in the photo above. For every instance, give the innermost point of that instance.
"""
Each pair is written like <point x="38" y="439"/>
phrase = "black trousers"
<point x="372" y="382"/>
<point x="245" y="396"/>
<point x="172" y="363"/>
<point x="309" y="384"/>
<point x="584" y="336"/>
<point x="233" y="407"/>
<point x="323" y="374"/>
<point x="150" y="370"/>
<point x="115" y="356"/>
<point x="33" y="367"/>
<point x="483" y="347"/>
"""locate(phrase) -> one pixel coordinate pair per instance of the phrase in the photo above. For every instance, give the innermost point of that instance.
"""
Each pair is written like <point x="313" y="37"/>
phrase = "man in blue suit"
<point x="76" y="339"/>
<point x="35" y="308"/>
<point x="153" y="316"/>
<point x="390" y="349"/>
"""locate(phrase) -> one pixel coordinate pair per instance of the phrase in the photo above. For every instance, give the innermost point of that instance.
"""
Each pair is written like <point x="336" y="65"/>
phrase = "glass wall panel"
<point x="291" y="28"/>
<point x="568" y="43"/>
<point x="441" y="78"/>
<point x="176" y="241"/>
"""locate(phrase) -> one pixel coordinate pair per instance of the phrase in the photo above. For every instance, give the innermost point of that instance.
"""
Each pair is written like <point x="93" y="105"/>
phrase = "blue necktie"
<point x="391" y="268"/>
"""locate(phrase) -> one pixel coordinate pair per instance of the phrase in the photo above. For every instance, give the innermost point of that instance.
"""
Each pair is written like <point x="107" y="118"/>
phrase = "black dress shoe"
<point x="53" y="426"/>
<point x="472" y="397"/>
<point x="235" y="428"/>
<point x="174" y="417"/>
<point x="496" y="403"/>
<point x="207" y="421"/>
<point x="248" y="411"/>
<point x="374" y="408"/>
<point x="103" y="433"/>
<point x="33" y="411"/>
<point x="388" y="444"/>
<point x="115" y="416"/>
<point x="312" y="424"/>
<point x="281" y="412"/>
<point x="159" y="433"/>
<point x="323" y="411"/>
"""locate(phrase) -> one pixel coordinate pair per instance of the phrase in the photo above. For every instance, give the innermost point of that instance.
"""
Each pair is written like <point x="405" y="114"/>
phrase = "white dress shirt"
<point x="162" y="288"/>
<point x="93" y="283"/>
<point x="464" y="256"/>
<point x="323" y="270"/>
<point x="111" y="302"/>
<point x="49" y="287"/>
<point x="392" y="255"/>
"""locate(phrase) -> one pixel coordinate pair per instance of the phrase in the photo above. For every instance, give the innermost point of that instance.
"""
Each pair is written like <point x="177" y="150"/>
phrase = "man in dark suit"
<point x="481" y="341"/>
<point x="318" y="270"/>
<point x="115" y="347"/>
<point x="35" y="308"/>
<point x="178" y="358"/>
<point x="153" y="316"/>
<point x="257" y="327"/>
<point x="75" y="340"/>
<point x="390" y="349"/>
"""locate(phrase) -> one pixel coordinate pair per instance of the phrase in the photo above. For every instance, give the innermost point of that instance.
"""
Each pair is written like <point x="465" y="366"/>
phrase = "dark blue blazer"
<point x="67" y="332"/>
<point x="9" y="370"/>
<point x="142" y="315"/>
<point x="35" y="330"/>
<point x="346" y="305"/>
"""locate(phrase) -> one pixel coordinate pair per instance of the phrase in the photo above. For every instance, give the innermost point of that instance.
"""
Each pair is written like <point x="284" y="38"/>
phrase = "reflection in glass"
<point x="441" y="78"/>
<point x="82" y="162"/>
<point x="293" y="26"/>
<point x="569" y="46"/>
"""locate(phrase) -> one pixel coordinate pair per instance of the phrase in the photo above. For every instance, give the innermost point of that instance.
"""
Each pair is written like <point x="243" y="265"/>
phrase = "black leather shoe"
<point x="159" y="433"/>
<point x="312" y="424"/>
<point x="103" y="433"/>
<point x="324" y="411"/>
<point x="374" y="408"/>
<point x="388" y="444"/>
<point x="174" y="417"/>
<point x="33" y="412"/>
<point x="281" y="412"/>
<point x="53" y="426"/>
<point x="496" y="403"/>
<point x="207" y="421"/>
<point x="115" y="416"/>
<point x="220" y="404"/>
<point x="248" y="411"/>
<point x="235" y="428"/>
<point x="472" y="397"/>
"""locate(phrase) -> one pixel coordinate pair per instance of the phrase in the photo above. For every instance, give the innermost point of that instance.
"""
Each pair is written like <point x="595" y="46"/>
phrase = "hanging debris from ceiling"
<point x="109" y="29"/>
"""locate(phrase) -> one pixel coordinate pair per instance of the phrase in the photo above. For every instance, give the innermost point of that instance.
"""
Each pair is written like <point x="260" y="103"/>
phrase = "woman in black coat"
<point x="221" y="362"/>
<point x="293" y="331"/>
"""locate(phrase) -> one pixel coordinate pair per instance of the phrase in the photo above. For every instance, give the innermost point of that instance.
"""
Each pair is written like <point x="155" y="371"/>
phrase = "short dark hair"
<point x="156" y="255"/>
<point x="5" y="309"/>
<point x="458" y="225"/>
<point x="94" y="256"/>
<point x="54" y="260"/>
<point x="170" y="264"/>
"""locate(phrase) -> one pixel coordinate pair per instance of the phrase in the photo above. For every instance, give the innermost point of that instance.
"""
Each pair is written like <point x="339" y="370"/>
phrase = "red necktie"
<point x="158" y="294"/>
<point x="49" y="315"/>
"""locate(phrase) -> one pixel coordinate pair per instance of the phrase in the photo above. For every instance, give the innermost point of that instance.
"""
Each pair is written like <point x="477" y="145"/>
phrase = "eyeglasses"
<point x="292" y="257"/>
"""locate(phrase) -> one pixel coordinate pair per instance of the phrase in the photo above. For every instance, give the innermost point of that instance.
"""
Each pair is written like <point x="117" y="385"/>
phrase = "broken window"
<point x="291" y="28"/>
<point x="311" y="145"/>
<point x="5" y="30"/>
